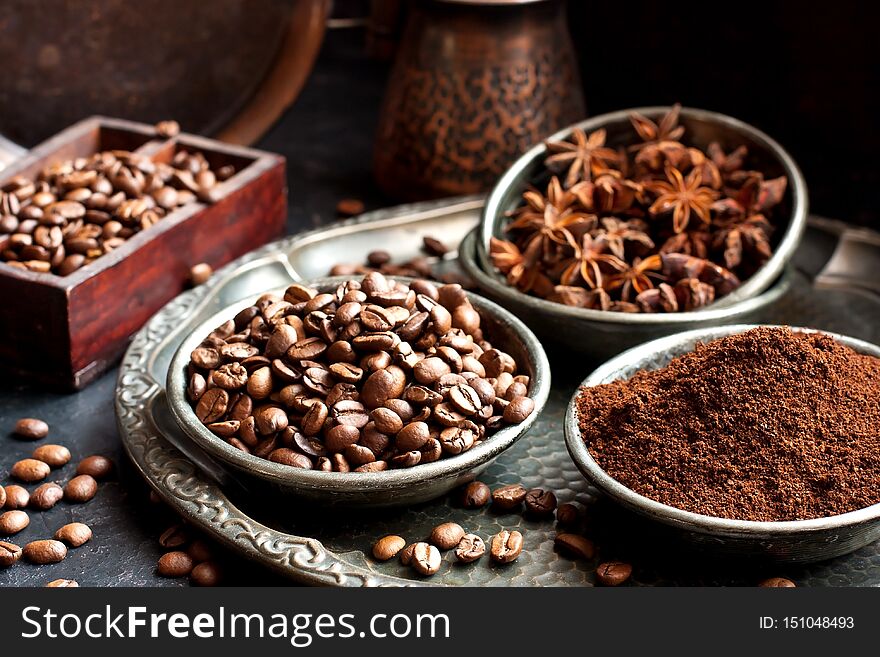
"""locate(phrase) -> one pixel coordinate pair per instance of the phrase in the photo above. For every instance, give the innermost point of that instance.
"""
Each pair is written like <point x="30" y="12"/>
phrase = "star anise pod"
<point x="691" y="294"/>
<point x="579" y="297"/>
<point x="505" y="255"/>
<point x="636" y="278"/>
<point x="752" y="192"/>
<point x="727" y="162"/>
<point x="581" y="155"/>
<point x="683" y="197"/>
<point x="520" y="273"/>
<point x="676" y="266"/>
<point x="551" y="221"/>
<point x="660" y="142"/>
<point x="749" y="237"/>
<point x="618" y="234"/>
<point x="614" y="194"/>
<point x="589" y="261"/>
<point x="692" y="242"/>
<point x="659" y="299"/>
<point x="708" y="169"/>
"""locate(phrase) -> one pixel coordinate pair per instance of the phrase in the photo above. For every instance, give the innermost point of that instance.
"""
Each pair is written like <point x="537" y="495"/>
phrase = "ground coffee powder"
<point x="764" y="425"/>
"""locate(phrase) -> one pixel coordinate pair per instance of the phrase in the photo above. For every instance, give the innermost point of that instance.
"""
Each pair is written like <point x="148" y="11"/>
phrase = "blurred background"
<point x="307" y="78"/>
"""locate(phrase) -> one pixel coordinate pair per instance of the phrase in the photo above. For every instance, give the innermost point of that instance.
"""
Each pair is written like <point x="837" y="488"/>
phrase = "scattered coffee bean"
<point x="426" y="559"/>
<point x="175" y="564"/>
<point x="80" y="489"/>
<point x="207" y="573"/>
<point x="9" y="554"/>
<point x="613" y="573"/>
<point x="44" y="551"/>
<point x="97" y="467"/>
<point x="31" y="428"/>
<point x="174" y="537"/>
<point x="74" y="534"/>
<point x="168" y="129"/>
<point x="54" y="456"/>
<point x="518" y="409"/>
<point x="508" y="498"/>
<point x="12" y="522"/>
<point x="201" y="273"/>
<point x="474" y="495"/>
<point x="575" y="546"/>
<point x="348" y="207"/>
<point x="388" y="547"/>
<point x="540" y="502"/>
<point x="777" y="582"/>
<point x="434" y="247"/>
<point x="29" y="470"/>
<point x="568" y="515"/>
<point x="446" y="536"/>
<point x="367" y="376"/>
<point x="2" y="497"/>
<point x="17" y="497"/>
<point x="406" y="554"/>
<point x="470" y="548"/>
<point x="62" y="584"/>
<point x="506" y="546"/>
<point x="46" y="496"/>
<point x="200" y="551"/>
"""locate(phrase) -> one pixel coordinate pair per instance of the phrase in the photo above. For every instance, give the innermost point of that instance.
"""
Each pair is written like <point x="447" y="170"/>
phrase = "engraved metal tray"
<point x="331" y="547"/>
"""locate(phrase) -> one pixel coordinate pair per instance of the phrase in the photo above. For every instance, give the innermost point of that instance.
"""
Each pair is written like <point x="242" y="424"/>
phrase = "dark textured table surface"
<point x="327" y="139"/>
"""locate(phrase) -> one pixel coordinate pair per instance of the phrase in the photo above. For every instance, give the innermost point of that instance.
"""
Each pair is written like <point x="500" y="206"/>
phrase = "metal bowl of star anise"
<point x="659" y="217"/>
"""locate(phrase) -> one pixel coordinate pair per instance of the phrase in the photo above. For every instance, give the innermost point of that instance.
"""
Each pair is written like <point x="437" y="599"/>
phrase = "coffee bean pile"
<point x="375" y="374"/>
<point x="78" y="210"/>
<point x="189" y="556"/>
<point x="15" y="498"/>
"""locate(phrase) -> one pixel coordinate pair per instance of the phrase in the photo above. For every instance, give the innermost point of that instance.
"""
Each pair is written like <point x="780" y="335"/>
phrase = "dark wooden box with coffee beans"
<point x="99" y="228"/>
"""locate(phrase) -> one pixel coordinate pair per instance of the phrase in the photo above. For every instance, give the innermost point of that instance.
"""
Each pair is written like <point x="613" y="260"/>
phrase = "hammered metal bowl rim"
<point x="361" y="482"/>
<point x="751" y="287"/>
<point x="466" y="255"/>
<point x="687" y="520"/>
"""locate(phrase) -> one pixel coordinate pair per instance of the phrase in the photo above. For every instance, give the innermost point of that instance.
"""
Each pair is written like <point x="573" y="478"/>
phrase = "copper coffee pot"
<point x="474" y="84"/>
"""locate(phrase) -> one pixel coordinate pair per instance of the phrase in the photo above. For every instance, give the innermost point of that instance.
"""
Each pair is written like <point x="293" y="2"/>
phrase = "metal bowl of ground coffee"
<point x="392" y="487"/>
<point x="793" y="541"/>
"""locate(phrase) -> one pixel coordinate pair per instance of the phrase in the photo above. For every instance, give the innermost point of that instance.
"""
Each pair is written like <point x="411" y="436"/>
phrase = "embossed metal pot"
<point x="474" y="85"/>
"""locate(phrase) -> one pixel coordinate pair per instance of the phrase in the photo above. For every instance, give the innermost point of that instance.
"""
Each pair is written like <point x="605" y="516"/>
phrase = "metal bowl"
<point x="599" y="334"/>
<point x="796" y="541"/>
<point x="702" y="127"/>
<point x="380" y="489"/>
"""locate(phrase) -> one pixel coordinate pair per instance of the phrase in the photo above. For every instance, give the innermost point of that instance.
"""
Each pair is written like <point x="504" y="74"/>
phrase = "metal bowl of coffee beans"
<point x="359" y="392"/>
<point x="742" y="441"/>
<point x="629" y="225"/>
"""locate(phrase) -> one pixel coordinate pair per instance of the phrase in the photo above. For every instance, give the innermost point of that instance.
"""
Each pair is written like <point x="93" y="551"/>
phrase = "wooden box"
<point x="63" y="331"/>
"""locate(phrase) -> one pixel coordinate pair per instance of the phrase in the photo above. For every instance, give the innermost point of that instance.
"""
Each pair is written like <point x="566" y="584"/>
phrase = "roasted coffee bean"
<point x="52" y="455"/>
<point x="413" y="436"/>
<point x="230" y="376"/>
<point x="387" y="421"/>
<point x="340" y="437"/>
<point x="350" y="412"/>
<point x="207" y="573"/>
<point x="314" y="419"/>
<point x="9" y="554"/>
<point x="212" y="405"/>
<point x="422" y="396"/>
<point x="426" y="559"/>
<point x="31" y="428"/>
<point x="540" y="502"/>
<point x="97" y="467"/>
<point x="270" y="419"/>
<point x="44" y="551"/>
<point x="431" y="451"/>
<point x="358" y="455"/>
<point x="615" y="573"/>
<point x="29" y="470"/>
<point x="773" y="582"/>
<point x="465" y="399"/>
<point x="519" y="409"/>
<point x="174" y="537"/>
<point x="201" y="273"/>
<point x="286" y="456"/>
<point x="12" y="522"/>
<point x="80" y="489"/>
<point x="470" y="548"/>
<point x="427" y="371"/>
<point x="175" y="564"/>
<point x="200" y="551"/>
<point x="456" y="441"/>
<point x="434" y="247"/>
<point x="62" y="584"/>
<point x="568" y="515"/>
<point x="17" y="497"/>
<point x="259" y="383"/>
<point x="46" y="496"/>
<point x="74" y="534"/>
<point x="307" y="349"/>
<point x="205" y="357"/>
<point x="474" y="495"/>
<point x="387" y="547"/>
<point x="2" y="497"/>
<point x="446" y="536"/>
<point x="508" y="498"/>
<point x="575" y="546"/>
<point x="382" y="385"/>
<point x="506" y="546"/>
<point x="197" y="386"/>
<point x="373" y="466"/>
